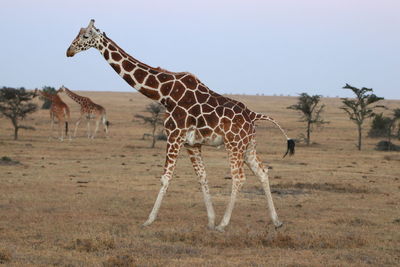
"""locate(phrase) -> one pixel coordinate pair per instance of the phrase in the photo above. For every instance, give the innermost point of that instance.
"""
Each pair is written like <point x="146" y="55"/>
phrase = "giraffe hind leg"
<point x="197" y="162"/>
<point x="105" y="124"/>
<point x="60" y="129"/>
<point x="96" y="129"/>
<point x="255" y="164"/>
<point x="88" y="127"/>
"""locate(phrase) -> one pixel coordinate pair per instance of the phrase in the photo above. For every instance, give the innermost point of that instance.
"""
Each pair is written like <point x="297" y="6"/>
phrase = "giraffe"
<point x="88" y="109"/>
<point x="59" y="110"/>
<point x="195" y="116"/>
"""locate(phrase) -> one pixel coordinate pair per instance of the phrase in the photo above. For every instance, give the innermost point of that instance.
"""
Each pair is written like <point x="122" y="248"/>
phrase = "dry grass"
<point x="5" y="256"/>
<point x="252" y="239"/>
<point x="329" y="187"/>
<point x="81" y="203"/>
<point x="91" y="245"/>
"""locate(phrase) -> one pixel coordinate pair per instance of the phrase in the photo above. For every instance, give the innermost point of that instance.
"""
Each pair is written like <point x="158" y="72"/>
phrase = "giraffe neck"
<point x="155" y="83"/>
<point x="51" y="97"/>
<point x="77" y="98"/>
<point x="46" y="95"/>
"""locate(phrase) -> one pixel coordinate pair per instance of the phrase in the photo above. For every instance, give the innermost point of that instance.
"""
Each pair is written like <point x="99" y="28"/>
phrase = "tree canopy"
<point x="15" y="104"/>
<point x="311" y="110"/>
<point x="360" y="108"/>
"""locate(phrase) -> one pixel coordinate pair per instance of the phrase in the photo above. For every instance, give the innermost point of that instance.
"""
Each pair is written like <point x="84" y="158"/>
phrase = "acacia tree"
<point x="15" y="104"/>
<point x="156" y="118"/>
<point x="396" y="115"/>
<point x="383" y="126"/>
<point x="360" y="108"/>
<point x="311" y="110"/>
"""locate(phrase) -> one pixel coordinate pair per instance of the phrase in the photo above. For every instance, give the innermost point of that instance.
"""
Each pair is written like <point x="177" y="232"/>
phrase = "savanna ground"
<point x="82" y="203"/>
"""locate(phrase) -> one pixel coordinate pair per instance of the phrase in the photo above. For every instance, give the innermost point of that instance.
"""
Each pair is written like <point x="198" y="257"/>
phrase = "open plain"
<point x="82" y="202"/>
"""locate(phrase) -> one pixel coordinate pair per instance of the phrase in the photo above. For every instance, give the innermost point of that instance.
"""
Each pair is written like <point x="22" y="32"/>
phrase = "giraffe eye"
<point x="85" y="36"/>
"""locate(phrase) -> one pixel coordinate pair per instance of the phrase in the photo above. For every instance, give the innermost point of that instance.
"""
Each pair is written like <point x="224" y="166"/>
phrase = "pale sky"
<point x="249" y="46"/>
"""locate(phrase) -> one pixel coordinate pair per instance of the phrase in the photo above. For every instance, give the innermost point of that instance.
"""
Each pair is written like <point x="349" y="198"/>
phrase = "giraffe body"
<point x="89" y="110"/>
<point x="195" y="116"/>
<point x="58" y="110"/>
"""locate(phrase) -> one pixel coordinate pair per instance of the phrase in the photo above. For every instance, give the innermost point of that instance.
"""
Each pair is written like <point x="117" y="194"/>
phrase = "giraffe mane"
<point x="159" y="69"/>
<point x="170" y="72"/>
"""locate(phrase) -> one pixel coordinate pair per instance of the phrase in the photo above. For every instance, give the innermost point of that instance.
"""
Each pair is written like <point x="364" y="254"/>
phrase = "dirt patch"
<point x="330" y="187"/>
<point x="353" y="222"/>
<point x="274" y="190"/>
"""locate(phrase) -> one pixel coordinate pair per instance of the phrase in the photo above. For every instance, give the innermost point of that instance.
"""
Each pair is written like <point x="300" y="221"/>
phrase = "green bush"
<point x="380" y="126"/>
<point x="47" y="102"/>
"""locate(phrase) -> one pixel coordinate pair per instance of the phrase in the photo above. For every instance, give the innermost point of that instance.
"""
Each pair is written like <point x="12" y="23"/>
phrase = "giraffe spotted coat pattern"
<point x="58" y="110"/>
<point x="90" y="110"/>
<point x="195" y="116"/>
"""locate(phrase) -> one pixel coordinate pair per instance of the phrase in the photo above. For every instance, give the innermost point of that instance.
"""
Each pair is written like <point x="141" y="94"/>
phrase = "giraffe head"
<point x="61" y="89"/>
<point x="87" y="37"/>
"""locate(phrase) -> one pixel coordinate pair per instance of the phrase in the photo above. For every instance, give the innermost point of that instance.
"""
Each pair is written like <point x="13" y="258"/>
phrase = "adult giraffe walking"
<point x="58" y="110"/>
<point x="90" y="110"/>
<point x="195" y="116"/>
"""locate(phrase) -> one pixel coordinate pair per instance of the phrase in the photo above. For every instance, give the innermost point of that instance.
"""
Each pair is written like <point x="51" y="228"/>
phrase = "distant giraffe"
<point x="88" y="109"/>
<point x="195" y="116"/>
<point x="59" y="110"/>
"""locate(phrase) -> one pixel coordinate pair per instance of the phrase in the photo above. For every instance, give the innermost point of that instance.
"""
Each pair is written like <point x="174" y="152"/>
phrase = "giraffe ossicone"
<point x="195" y="116"/>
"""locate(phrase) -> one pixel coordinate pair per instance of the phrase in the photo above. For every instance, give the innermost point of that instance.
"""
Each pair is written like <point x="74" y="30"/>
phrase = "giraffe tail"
<point x="290" y="142"/>
<point x="68" y="117"/>
<point x="66" y="128"/>
<point x="105" y="121"/>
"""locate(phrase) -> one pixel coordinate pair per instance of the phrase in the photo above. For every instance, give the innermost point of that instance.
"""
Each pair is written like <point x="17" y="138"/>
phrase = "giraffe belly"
<point x="193" y="137"/>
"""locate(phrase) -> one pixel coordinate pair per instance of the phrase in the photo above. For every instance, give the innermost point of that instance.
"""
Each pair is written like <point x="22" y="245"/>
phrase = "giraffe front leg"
<point x="67" y="131"/>
<point x="198" y="166"/>
<point x="77" y="125"/>
<point x="51" y="129"/>
<point x="173" y="147"/>
<point x="238" y="178"/>
<point x="88" y="128"/>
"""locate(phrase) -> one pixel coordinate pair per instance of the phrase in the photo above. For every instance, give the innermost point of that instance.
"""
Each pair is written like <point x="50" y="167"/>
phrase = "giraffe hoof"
<point x="146" y="223"/>
<point x="220" y="229"/>
<point x="278" y="224"/>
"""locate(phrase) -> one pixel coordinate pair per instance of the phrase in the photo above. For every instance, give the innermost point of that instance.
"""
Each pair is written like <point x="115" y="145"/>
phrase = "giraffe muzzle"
<point x="70" y="52"/>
